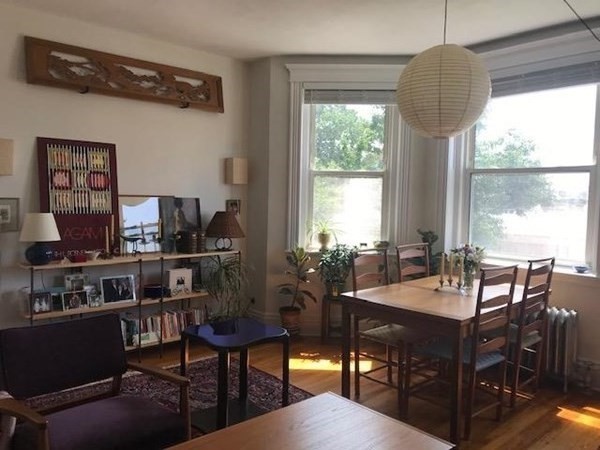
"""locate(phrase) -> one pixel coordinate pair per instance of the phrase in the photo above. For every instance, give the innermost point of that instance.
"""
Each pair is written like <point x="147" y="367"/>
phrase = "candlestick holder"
<point x="450" y="285"/>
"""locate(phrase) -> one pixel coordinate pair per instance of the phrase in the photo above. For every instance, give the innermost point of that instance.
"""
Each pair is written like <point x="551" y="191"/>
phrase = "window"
<point x="532" y="175"/>
<point x="347" y="169"/>
<point x="349" y="154"/>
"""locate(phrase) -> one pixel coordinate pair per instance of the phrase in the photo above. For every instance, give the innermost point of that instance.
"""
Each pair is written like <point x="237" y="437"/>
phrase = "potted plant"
<point x="334" y="267"/>
<point x="225" y="280"/>
<point x="298" y="269"/>
<point x="324" y="232"/>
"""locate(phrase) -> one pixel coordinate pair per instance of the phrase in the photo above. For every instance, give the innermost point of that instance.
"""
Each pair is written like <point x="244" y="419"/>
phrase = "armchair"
<point x="49" y="358"/>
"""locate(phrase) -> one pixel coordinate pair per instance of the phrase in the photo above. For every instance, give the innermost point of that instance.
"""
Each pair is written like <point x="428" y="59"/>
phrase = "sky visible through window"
<point x="560" y="124"/>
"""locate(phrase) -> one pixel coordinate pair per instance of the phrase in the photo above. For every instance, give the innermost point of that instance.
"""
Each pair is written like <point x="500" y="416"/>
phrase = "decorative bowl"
<point x="92" y="255"/>
<point x="581" y="269"/>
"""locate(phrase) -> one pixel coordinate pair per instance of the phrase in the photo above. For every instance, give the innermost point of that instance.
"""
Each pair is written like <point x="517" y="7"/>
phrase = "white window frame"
<point x="541" y="55"/>
<point x="397" y="164"/>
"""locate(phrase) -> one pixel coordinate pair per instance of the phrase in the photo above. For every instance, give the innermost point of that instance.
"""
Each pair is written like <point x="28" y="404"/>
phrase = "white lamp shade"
<point x="443" y="91"/>
<point x="39" y="227"/>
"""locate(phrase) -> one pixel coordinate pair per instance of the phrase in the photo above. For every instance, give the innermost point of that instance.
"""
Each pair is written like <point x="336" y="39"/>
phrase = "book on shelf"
<point x="150" y="329"/>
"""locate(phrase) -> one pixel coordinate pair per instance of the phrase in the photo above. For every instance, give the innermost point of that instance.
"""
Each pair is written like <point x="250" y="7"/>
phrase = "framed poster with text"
<point x="78" y="183"/>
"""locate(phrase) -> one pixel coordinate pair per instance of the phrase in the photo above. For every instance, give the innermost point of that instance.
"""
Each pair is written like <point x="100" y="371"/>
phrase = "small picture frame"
<point x="76" y="281"/>
<point x="74" y="300"/>
<point x="93" y="295"/>
<point x="9" y="214"/>
<point x="233" y="205"/>
<point x="41" y="302"/>
<point x="57" y="301"/>
<point x="180" y="281"/>
<point x="119" y="288"/>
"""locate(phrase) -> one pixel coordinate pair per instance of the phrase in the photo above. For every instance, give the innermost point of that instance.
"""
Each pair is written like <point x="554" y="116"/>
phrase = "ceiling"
<point x="250" y="29"/>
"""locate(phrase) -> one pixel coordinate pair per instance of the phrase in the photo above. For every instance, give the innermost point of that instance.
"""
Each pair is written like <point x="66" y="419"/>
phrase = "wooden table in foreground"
<point x="324" y="422"/>
<point x="419" y="305"/>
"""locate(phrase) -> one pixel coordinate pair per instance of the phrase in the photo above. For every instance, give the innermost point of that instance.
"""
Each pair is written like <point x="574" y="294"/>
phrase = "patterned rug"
<point x="264" y="389"/>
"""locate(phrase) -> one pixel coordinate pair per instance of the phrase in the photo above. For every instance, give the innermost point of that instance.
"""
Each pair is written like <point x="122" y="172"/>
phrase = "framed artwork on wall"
<point x="233" y="205"/>
<point x="78" y="184"/>
<point x="9" y="214"/>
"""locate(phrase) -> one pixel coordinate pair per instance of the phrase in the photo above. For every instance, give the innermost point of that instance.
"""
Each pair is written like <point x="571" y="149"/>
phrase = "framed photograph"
<point x="9" y="214"/>
<point x="177" y="214"/>
<point x="42" y="302"/>
<point x="180" y="281"/>
<point x="120" y="288"/>
<point x="76" y="281"/>
<point x="93" y="296"/>
<point x="74" y="300"/>
<point x="233" y="205"/>
<point x="57" y="301"/>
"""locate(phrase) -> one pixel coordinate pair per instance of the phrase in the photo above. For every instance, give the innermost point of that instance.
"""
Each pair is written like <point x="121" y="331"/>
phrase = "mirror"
<point x="152" y="223"/>
<point x="140" y="224"/>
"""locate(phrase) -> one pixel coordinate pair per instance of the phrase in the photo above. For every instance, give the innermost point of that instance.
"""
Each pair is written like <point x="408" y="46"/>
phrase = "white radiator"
<point x="562" y="344"/>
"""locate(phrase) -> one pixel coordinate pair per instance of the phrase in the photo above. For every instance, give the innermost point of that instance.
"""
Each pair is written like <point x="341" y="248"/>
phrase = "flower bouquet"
<point x="468" y="257"/>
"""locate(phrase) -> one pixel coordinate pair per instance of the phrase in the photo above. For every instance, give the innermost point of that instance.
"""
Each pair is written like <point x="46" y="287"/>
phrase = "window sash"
<point x="467" y="144"/>
<point x="346" y="174"/>
<point x="574" y="75"/>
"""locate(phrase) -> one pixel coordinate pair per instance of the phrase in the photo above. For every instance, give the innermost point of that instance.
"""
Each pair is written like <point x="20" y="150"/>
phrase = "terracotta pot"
<point x="290" y="319"/>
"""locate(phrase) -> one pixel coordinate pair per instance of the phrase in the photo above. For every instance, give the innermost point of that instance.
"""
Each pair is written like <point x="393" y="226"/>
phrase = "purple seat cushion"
<point x="116" y="423"/>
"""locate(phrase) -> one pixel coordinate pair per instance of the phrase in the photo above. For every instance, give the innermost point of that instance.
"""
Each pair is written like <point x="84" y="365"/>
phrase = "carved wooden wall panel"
<point x="61" y="65"/>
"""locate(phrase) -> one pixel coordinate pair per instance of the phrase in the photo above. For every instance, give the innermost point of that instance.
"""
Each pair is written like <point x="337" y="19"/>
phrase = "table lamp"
<point x="224" y="226"/>
<point x="39" y="228"/>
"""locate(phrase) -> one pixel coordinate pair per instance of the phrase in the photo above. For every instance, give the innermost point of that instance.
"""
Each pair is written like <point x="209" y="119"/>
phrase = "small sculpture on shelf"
<point x="133" y="242"/>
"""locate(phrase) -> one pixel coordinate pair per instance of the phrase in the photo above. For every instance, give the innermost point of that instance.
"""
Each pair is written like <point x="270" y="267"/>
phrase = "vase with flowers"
<point x="468" y="257"/>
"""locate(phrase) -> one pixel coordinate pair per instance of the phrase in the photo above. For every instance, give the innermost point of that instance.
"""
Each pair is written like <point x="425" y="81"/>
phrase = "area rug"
<point x="264" y="389"/>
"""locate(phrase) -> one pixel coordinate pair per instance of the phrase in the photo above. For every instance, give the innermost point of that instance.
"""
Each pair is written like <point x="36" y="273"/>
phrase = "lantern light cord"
<point x="445" y="19"/>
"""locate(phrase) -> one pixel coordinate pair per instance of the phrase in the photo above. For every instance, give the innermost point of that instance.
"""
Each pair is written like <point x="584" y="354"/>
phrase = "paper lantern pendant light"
<point x="443" y="91"/>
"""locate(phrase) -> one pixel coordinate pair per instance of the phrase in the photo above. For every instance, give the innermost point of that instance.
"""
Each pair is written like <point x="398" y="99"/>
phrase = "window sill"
<point x="561" y="273"/>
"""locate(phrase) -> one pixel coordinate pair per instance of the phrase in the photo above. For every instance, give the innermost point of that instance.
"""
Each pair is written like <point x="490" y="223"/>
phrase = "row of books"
<point x="148" y="330"/>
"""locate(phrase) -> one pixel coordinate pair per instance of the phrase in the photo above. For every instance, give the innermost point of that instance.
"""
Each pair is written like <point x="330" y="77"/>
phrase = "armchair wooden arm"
<point x="12" y="407"/>
<point x="159" y="373"/>
<point x="184" y="389"/>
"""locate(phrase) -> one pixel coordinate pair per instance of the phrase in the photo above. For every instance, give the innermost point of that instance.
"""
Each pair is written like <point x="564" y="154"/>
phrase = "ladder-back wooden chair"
<point x="528" y="334"/>
<point x="412" y="261"/>
<point x="487" y="346"/>
<point x="370" y="269"/>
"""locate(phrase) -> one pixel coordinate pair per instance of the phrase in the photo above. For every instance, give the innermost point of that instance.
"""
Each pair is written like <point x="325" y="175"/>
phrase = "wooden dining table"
<point x="421" y="305"/>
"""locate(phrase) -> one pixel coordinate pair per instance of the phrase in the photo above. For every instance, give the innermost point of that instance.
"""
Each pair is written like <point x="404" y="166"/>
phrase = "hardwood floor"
<point x="552" y="420"/>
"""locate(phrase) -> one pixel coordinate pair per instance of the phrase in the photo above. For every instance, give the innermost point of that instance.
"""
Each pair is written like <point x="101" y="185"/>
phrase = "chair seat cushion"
<point x="443" y="349"/>
<point x="528" y="340"/>
<point x="392" y="334"/>
<point x="115" y="423"/>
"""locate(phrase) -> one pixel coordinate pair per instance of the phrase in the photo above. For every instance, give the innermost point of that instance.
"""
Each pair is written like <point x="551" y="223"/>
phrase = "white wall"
<point x="161" y="149"/>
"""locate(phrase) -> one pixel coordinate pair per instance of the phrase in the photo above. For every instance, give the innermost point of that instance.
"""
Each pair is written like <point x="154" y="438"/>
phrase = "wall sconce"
<point x="224" y="226"/>
<point x="39" y="228"/>
<point x="6" y="156"/>
<point x="236" y="171"/>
